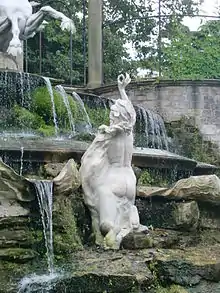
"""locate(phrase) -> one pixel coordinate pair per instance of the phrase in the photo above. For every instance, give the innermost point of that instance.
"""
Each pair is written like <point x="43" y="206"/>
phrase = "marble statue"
<point x="17" y="23"/>
<point x="107" y="177"/>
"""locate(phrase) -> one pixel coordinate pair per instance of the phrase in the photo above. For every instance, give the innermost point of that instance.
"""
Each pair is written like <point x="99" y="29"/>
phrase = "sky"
<point x="207" y="8"/>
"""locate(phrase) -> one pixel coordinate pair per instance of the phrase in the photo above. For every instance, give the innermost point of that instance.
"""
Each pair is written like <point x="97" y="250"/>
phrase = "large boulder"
<point x="68" y="179"/>
<point x="205" y="188"/>
<point x="14" y="190"/>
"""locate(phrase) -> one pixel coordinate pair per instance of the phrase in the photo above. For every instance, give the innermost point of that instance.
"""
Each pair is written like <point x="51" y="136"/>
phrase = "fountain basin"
<point x="42" y="150"/>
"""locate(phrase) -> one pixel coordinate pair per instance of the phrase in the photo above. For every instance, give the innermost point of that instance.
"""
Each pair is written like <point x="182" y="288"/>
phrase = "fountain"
<point x="40" y="128"/>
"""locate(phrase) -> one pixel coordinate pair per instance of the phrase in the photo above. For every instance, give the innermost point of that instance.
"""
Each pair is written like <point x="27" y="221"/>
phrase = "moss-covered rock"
<point x="188" y="141"/>
<point x="66" y="236"/>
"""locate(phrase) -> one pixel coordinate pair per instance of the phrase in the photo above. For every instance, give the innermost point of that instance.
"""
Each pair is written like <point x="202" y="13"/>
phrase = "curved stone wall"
<point x="198" y="100"/>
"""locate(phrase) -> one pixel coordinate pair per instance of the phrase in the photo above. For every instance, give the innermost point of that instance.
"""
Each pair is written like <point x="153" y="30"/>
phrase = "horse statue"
<point x="107" y="177"/>
<point x="18" y="23"/>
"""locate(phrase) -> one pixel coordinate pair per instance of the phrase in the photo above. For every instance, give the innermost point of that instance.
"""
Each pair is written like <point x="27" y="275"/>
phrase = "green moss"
<point x="46" y="130"/>
<point x="189" y="142"/>
<point x="151" y="179"/>
<point x="172" y="289"/>
<point x="66" y="237"/>
<point x="24" y="119"/>
<point x="41" y="105"/>
<point x="98" y="116"/>
<point x="17" y="254"/>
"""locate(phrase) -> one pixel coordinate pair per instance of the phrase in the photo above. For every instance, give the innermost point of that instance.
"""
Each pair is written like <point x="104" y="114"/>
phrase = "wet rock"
<point x="19" y="255"/>
<point x="68" y="179"/>
<point x="205" y="287"/>
<point x="190" y="266"/>
<point x="52" y="170"/>
<point x="13" y="186"/>
<point x="15" y="193"/>
<point x="160" y="238"/>
<point x="162" y="213"/>
<point x="92" y="271"/>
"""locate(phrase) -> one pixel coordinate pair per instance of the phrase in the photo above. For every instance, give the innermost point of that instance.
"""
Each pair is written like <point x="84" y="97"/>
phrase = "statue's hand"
<point x="123" y="81"/>
<point x="67" y="24"/>
<point x="104" y="129"/>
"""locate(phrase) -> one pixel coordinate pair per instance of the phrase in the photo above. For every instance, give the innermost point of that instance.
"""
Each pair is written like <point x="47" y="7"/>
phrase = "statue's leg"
<point x="135" y="221"/>
<point x="36" y="19"/>
<point x="15" y="45"/>
<point x="108" y="218"/>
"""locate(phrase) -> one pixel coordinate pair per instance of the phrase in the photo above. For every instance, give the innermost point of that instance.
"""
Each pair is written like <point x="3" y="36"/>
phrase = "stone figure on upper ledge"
<point x="18" y="23"/>
<point x="107" y="177"/>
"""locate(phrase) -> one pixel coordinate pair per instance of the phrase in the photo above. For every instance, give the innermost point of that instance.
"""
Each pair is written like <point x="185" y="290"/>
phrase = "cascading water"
<point x="50" y="91"/>
<point x="43" y="283"/>
<point x="21" y="161"/>
<point x="80" y="102"/>
<point x="64" y="95"/>
<point x="150" y="130"/>
<point x="45" y="199"/>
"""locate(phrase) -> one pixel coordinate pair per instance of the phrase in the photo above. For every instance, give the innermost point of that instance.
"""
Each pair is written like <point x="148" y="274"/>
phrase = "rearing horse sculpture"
<point x="17" y="23"/>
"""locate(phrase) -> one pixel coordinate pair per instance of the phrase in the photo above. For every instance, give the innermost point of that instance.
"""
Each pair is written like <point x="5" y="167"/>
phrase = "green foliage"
<point x="150" y="178"/>
<point x="98" y="116"/>
<point x="25" y="119"/>
<point x="192" y="55"/>
<point x="123" y="22"/>
<point x="190" y="143"/>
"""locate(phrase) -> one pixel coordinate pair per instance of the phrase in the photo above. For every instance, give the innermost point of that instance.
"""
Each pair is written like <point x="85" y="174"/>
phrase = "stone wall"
<point x="198" y="100"/>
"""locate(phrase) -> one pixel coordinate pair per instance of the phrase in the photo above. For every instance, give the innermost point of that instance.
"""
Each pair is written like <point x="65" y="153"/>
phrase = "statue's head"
<point x="122" y="111"/>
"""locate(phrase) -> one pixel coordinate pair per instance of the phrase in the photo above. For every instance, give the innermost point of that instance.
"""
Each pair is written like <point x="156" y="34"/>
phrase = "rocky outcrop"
<point x="15" y="193"/>
<point x="68" y="179"/>
<point x="204" y="188"/>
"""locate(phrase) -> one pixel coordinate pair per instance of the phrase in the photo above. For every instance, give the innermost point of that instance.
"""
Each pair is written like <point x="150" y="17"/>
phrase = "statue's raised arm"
<point x="123" y="81"/>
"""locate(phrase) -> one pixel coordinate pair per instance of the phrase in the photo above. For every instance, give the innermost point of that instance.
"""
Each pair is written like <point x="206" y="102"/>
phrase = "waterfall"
<point x="152" y="129"/>
<point x="21" y="77"/>
<point x="50" y="91"/>
<point x="83" y="111"/>
<point x="45" y="200"/>
<point x="64" y="95"/>
<point x="21" y="161"/>
<point x="43" y="283"/>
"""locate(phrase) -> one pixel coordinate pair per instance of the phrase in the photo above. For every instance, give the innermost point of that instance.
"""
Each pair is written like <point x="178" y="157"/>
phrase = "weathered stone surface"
<point x="160" y="238"/>
<point x="204" y="188"/>
<point x="53" y="169"/>
<point x="98" y="271"/>
<point x="19" y="255"/>
<point x="205" y="287"/>
<point x="15" y="191"/>
<point x="13" y="186"/>
<point x="68" y="179"/>
<point x="190" y="266"/>
<point x="14" y="238"/>
<point x="163" y="213"/>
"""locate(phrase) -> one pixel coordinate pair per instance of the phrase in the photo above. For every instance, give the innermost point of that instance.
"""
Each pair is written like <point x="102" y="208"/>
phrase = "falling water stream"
<point x="64" y="95"/>
<point x="44" y="190"/>
<point x="45" y="200"/>
<point x="83" y="111"/>
<point x="21" y="161"/>
<point x="50" y="90"/>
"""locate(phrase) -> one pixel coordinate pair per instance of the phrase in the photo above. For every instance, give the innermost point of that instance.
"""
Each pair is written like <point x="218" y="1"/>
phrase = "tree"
<point x="193" y="55"/>
<point x="124" y="21"/>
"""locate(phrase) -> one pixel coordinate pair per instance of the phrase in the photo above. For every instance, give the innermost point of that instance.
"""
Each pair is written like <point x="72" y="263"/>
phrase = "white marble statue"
<point x="17" y="23"/>
<point x="107" y="177"/>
